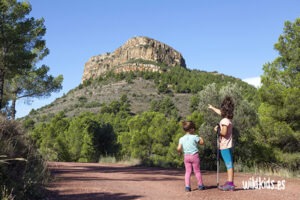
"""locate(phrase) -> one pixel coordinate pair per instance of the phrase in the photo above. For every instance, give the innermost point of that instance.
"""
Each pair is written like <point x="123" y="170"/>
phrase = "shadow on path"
<point x="92" y="196"/>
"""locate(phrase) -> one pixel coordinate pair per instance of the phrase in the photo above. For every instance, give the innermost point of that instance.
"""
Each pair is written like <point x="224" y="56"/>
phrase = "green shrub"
<point x="22" y="170"/>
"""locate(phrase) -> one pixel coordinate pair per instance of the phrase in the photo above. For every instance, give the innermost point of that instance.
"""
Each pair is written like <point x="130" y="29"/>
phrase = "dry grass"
<point x="22" y="171"/>
<point x="267" y="170"/>
<point x="124" y="161"/>
<point x="140" y="93"/>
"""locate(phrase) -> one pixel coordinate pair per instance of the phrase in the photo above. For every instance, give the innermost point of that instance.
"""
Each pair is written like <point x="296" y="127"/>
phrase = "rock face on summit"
<point x="138" y="53"/>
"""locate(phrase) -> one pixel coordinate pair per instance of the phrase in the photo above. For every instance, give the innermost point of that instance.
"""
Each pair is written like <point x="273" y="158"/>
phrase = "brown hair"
<point x="227" y="107"/>
<point x="188" y="125"/>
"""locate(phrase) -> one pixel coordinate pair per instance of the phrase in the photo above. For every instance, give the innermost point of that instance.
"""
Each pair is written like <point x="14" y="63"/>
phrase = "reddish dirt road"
<point x="83" y="181"/>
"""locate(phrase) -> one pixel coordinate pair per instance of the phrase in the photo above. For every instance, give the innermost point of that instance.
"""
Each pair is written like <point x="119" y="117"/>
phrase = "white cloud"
<point x="255" y="81"/>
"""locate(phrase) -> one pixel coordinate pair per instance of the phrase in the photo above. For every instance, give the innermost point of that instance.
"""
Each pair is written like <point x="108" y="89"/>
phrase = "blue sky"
<point x="233" y="37"/>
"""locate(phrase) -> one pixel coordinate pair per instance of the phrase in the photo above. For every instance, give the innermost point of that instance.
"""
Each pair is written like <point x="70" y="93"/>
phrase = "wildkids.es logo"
<point x="258" y="183"/>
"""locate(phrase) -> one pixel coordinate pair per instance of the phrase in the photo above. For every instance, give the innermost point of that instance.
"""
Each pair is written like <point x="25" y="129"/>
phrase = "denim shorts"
<point x="227" y="157"/>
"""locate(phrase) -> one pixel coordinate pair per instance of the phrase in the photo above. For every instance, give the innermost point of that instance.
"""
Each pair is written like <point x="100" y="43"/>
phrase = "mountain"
<point x="138" y="53"/>
<point x="146" y="71"/>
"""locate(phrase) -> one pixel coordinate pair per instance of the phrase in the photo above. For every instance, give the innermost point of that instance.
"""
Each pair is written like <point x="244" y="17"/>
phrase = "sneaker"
<point x="201" y="187"/>
<point x="227" y="187"/>
<point x="187" y="189"/>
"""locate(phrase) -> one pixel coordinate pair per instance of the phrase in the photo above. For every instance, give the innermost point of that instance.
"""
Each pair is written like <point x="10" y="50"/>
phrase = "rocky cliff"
<point x="138" y="53"/>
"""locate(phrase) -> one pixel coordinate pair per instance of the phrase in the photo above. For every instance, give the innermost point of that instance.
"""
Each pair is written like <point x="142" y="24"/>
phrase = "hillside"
<point x="143" y="69"/>
<point x="139" y="91"/>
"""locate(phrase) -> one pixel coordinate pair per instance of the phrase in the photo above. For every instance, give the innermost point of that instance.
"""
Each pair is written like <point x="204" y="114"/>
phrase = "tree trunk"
<point x="1" y="86"/>
<point x="13" y="109"/>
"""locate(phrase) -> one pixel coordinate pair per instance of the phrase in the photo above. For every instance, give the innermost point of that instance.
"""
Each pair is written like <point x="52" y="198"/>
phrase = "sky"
<point x="232" y="37"/>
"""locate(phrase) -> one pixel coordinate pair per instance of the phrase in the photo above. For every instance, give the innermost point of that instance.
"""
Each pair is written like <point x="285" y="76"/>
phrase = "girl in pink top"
<point x="226" y="112"/>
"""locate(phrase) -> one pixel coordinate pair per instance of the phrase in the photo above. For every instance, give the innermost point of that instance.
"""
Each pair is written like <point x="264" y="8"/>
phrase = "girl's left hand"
<point x="216" y="128"/>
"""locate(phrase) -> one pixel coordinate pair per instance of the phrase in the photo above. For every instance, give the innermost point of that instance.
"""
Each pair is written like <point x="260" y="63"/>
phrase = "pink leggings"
<point x="192" y="162"/>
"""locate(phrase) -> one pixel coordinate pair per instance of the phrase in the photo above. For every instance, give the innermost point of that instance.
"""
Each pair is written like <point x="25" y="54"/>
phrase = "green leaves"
<point x="21" y="47"/>
<point x="281" y="79"/>
<point x="165" y="106"/>
<point x="279" y="111"/>
<point x="84" y="138"/>
<point x="149" y="136"/>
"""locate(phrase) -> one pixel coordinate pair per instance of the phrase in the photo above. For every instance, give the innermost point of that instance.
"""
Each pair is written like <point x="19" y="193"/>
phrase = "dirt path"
<point x="83" y="181"/>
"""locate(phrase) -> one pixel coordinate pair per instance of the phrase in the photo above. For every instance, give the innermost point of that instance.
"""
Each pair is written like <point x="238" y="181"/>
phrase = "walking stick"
<point x="218" y="154"/>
